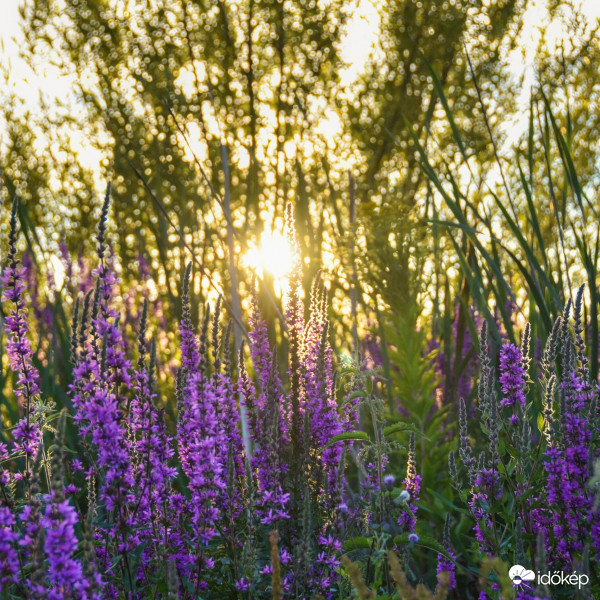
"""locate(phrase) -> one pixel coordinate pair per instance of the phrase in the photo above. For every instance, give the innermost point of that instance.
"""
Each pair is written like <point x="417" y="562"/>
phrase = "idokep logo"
<point x="520" y="576"/>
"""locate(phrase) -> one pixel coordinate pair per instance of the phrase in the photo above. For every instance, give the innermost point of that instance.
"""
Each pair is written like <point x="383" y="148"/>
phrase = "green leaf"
<point x="401" y="427"/>
<point x="426" y="541"/>
<point x="357" y="543"/>
<point x="358" y="436"/>
<point x="447" y="502"/>
<point x="512" y="450"/>
<point x="349" y="370"/>
<point x="442" y="96"/>
<point x="357" y="394"/>
<point x="540" y="422"/>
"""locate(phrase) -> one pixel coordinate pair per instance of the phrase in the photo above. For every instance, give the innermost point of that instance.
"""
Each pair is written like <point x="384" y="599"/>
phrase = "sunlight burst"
<point x="273" y="255"/>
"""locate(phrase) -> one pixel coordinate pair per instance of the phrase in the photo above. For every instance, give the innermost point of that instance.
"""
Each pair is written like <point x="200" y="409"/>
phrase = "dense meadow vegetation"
<point x="303" y="498"/>
<point x="286" y="360"/>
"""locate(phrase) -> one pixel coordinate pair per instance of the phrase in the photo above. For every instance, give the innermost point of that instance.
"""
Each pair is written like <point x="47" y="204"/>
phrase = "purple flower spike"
<point x="407" y="519"/>
<point x="9" y="560"/>
<point x="18" y="348"/>
<point x="60" y="543"/>
<point x="445" y="564"/>
<point x="512" y="376"/>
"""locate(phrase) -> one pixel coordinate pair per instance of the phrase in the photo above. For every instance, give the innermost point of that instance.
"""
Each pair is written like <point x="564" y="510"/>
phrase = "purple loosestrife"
<point x="319" y="395"/>
<point x="100" y="371"/>
<point x="294" y="315"/>
<point x="568" y="471"/>
<point x="190" y="347"/>
<point x="228" y="413"/>
<point x="111" y="356"/>
<point x="116" y="366"/>
<point x="512" y="376"/>
<point x="313" y="401"/>
<point x="27" y="433"/>
<point x="190" y="362"/>
<point x="31" y="543"/>
<point x="98" y="414"/>
<point x="210" y="443"/>
<point x="446" y="562"/>
<point x="151" y="445"/>
<point x="268" y="426"/>
<point x="260" y="349"/>
<point x="269" y="387"/>
<point x="202" y="459"/>
<point x="323" y="571"/>
<point x="65" y="573"/>
<point x="232" y="453"/>
<point x="247" y="395"/>
<point x="478" y="507"/>
<point x="412" y="482"/>
<point x="30" y="523"/>
<point x="203" y="465"/>
<point x="464" y="445"/>
<point x="9" y="558"/>
<point x="488" y="482"/>
<point x="296" y="481"/>
<point x="486" y="487"/>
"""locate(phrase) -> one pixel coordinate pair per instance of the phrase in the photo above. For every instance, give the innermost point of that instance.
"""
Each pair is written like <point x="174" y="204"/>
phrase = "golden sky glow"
<point x="358" y="43"/>
<point x="272" y="255"/>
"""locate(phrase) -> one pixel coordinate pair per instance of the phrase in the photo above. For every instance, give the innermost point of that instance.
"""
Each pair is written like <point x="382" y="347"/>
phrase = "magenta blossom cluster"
<point x="183" y="514"/>
<point x="571" y="519"/>
<point x="27" y="432"/>
<point x="535" y="479"/>
<point x="412" y="483"/>
<point x="512" y="376"/>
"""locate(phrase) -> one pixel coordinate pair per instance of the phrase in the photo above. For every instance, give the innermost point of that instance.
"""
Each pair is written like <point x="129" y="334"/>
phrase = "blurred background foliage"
<point x="268" y="106"/>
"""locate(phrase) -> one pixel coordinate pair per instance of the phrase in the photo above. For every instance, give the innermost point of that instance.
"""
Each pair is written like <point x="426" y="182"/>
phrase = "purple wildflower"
<point x="512" y="376"/>
<point x="27" y="433"/>
<point x="59" y="544"/>
<point x="100" y="373"/>
<point x="151" y="443"/>
<point x="488" y="481"/>
<point x="389" y="480"/>
<point x="412" y="482"/>
<point x="318" y="397"/>
<point x="242" y="585"/>
<point x="445" y="564"/>
<point x="201" y="457"/>
<point x="268" y="425"/>
<point x="9" y="559"/>
<point x="478" y="506"/>
<point x="568" y="471"/>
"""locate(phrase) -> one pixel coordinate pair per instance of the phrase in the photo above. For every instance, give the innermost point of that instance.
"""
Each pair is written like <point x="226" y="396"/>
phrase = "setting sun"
<point x="272" y="255"/>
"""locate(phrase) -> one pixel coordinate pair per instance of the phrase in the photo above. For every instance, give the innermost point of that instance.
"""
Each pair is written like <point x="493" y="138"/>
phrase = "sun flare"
<point x="273" y="255"/>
